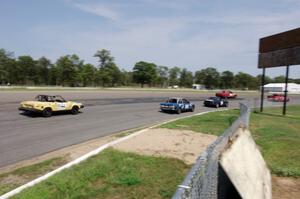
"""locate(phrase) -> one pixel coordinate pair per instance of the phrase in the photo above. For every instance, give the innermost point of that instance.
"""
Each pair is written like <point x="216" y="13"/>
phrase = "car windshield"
<point x="213" y="98"/>
<point x="47" y="98"/>
<point x="58" y="98"/>
<point x="42" y="98"/>
<point x="172" y="100"/>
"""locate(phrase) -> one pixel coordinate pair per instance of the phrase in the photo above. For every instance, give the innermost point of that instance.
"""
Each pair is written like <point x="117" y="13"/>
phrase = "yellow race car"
<point x="47" y="104"/>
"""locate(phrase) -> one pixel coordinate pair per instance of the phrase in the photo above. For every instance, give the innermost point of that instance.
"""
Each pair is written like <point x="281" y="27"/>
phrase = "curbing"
<point x="92" y="153"/>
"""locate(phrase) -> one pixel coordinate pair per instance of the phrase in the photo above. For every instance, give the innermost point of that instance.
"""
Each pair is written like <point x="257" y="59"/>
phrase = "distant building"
<point x="198" y="86"/>
<point x="280" y="87"/>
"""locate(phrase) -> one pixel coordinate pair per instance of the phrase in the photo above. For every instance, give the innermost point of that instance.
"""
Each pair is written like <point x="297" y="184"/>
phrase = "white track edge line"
<point x="89" y="154"/>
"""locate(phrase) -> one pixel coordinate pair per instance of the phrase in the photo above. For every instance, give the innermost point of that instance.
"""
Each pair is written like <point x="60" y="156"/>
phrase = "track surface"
<point x="106" y="112"/>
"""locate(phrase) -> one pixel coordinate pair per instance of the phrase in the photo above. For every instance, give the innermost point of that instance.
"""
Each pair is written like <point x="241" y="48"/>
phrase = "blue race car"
<point x="215" y="102"/>
<point x="177" y="105"/>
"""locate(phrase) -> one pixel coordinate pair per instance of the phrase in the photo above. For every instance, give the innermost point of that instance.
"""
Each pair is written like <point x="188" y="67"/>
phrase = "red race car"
<point x="277" y="98"/>
<point x="226" y="94"/>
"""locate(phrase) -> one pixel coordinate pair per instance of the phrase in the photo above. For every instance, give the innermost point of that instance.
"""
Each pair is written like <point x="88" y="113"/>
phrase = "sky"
<point x="192" y="34"/>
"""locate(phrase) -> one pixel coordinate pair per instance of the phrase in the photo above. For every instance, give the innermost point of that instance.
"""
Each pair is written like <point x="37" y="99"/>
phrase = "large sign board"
<point x="282" y="49"/>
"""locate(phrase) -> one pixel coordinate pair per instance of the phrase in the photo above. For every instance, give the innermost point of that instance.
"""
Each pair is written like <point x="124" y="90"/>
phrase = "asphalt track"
<point x="106" y="112"/>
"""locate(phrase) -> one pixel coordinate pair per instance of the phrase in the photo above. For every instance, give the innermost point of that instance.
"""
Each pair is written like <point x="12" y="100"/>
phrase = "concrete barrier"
<point x="246" y="168"/>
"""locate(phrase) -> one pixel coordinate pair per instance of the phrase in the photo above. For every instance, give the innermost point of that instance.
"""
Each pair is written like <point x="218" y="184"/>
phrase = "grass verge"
<point x="18" y="177"/>
<point x="113" y="174"/>
<point x="212" y="123"/>
<point x="277" y="136"/>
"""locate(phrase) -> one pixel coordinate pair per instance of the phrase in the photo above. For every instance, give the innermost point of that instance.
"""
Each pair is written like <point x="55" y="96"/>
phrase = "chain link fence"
<point x="206" y="179"/>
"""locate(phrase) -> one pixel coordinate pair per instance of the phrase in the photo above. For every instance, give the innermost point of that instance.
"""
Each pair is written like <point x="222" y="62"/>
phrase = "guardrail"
<point x="202" y="180"/>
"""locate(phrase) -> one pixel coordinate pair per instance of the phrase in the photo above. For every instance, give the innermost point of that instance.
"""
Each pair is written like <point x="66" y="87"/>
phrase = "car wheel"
<point x="75" y="110"/>
<point x="217" y="105"/>
<point x="178" y="111"/>
<point x="226" y="104"/>
<point x="47" y="112"/>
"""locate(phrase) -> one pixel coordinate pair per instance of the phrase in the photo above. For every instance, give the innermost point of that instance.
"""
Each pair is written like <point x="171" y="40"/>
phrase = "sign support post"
<point x="262" y="90"/>
<point x="286" y="89"/>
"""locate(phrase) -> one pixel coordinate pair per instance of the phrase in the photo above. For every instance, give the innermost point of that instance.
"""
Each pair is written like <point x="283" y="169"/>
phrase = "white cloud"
<point x="99" y="10"/>
<point x="226" y="41"/>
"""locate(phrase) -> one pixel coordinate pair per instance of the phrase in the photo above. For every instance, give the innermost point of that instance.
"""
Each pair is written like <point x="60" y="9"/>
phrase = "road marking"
<point x="92" y="153"/>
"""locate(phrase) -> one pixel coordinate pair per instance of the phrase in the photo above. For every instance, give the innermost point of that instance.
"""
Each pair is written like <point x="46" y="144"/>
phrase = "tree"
<point x="87" y="74"/>
<point x="43" y="66"/>
<point x="27" y="67"/>
<point x="67" y="69"/>
<point x="246" y="81"/>
<point x="144" y="73"/>
<point x="199" y="77"/>
<point x="114" y="72"/>
<point x="186" y="78"/>
<point x="227" y="80"/>
<point x="104" y="57"/>
<point x="126" y="78"/>
<point x="210" y="77"/>
<point x="162" y="78"/>
<point x="5" y="58"/>
<point x="279" y="79"/>
<point x="174" y="76"/>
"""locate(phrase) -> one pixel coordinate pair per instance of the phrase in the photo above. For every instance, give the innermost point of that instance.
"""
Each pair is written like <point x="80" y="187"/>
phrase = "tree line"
<point x="70" y="70"/>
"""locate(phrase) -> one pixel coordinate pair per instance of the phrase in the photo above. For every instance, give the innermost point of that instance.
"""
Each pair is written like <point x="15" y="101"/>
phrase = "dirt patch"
<point x="182" y="144"/>
<point x="13" y="179"/>
<point x="285" y="187"/>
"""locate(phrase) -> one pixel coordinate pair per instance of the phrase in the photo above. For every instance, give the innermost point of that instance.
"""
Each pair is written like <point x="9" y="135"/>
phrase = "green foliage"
<point x="209" y="77"/>
<point x="67" y="68"/>
<point x="104" y="57"/>
<point x="174" y="76"/>
<point x="162" y="79"/>
<point x="144" y="73"/>
<point x="246" y="81"/>
<point x="70" y="70"/>
<point x="113" y="174"/>
<point x="186" y="78"/>
<point x="227" y="80"/>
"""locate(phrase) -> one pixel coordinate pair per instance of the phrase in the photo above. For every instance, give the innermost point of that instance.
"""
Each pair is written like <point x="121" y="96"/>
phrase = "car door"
<point x="61" y="106"/>
<point x="180" y="104"/>
<point x="186" y="104"/>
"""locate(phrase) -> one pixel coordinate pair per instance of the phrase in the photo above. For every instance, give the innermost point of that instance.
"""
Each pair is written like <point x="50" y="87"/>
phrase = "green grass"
<point x="113" y="174"/>
<point x="18" y="177"/>
<point x="277" y="136"/>
<point x="279" y="139"/>
<point x="212" y="123"/>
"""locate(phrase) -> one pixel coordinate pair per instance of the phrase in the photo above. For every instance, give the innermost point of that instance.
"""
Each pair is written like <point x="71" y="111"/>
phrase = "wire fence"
<point x="204" y="178"/>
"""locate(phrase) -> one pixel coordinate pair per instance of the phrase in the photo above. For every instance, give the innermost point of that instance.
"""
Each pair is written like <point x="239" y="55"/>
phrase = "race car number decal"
<point x="61" y="106"/>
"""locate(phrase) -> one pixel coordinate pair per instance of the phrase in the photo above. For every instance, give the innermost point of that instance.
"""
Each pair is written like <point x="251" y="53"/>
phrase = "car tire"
<point x="217" y="105"/>
<point x="178" y="111"/>
<point x="74" y="110"/>
<point x="47" y="112"/>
